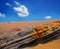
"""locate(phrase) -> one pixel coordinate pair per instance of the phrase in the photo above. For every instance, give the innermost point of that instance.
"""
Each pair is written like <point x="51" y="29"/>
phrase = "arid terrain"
<point x="11" y="28"/>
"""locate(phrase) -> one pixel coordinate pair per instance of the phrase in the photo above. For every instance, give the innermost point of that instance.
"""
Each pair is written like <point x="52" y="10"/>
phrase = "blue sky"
<point x="29" y="10"/>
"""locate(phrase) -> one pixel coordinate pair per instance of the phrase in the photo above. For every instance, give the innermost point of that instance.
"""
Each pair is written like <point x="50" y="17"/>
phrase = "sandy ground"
<point x="51" y="45"/>
<point x="11" y="28"/>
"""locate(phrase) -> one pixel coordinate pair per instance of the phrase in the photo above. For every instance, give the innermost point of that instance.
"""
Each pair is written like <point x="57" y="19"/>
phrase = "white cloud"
<point x="48" y="17"/>
<point x="8" y="4"/>
<point x="2" y="15"/>
<point x="17" y="3"/>
<point x="22" y="11"/>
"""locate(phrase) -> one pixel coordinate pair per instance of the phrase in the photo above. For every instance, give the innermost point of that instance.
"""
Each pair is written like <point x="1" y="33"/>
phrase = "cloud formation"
<point x="48" y="17"/>
<point x="2" y="15"/>
<point x="22" y="10"/>
<point x="8" y="4"/>
<point x="17" y="3"/>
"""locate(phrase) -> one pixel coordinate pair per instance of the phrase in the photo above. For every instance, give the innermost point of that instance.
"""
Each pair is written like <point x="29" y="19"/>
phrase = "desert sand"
<point x="50" y="45"/>
<point x="11" y="28"/>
